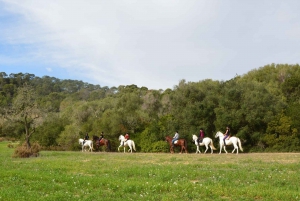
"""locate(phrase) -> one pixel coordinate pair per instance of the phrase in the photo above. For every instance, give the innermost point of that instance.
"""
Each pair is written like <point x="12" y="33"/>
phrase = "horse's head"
<point x="195" y="137"/>
<point x="219" y="134"/>
<point x="121" y="138"/>
<point x="167" y="138"/>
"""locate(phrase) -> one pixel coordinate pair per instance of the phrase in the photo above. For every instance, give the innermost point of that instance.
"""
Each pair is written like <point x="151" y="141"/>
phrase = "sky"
<point x="153" y="44"/>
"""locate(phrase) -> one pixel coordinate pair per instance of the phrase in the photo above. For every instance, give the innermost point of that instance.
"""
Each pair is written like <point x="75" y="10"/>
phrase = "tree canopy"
<point x="261" y="107"/>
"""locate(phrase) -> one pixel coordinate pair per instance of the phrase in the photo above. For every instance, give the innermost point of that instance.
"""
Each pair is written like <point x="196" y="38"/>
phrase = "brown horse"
<point x="180" y="142"/>
<point x="102" y="142"/>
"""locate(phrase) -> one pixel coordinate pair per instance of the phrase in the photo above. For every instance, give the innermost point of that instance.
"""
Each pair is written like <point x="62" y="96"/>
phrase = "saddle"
<point x="226" y="141"/>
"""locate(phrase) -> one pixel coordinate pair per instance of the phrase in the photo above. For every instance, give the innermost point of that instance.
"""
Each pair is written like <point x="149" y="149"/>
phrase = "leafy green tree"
<point x="49" y="131"/>
<point x="25" y="111"/>
<point x="68" y="139"/>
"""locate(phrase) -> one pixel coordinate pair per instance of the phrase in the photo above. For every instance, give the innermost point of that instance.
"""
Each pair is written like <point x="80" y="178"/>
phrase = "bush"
<point x="23" y="152"/>
<point x="160" y="146"/>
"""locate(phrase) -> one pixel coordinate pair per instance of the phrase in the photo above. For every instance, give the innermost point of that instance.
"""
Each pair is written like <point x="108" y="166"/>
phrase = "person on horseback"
<point x="227" y="134"/>
<point x="86" y="137"/>
<point x="201" y="135"/>
<point x="176" y="137"/>
<point x="101" y="136"/>
<point x="126" y="138"/>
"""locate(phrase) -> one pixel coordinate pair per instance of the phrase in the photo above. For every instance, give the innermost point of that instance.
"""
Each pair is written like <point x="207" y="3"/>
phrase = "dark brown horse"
<point x="102" y="142"/>
<point x="180" y="142"/>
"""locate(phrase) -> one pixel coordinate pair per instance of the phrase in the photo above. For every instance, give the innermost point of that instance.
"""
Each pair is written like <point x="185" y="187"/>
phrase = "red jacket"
<point x="126" y="136"/>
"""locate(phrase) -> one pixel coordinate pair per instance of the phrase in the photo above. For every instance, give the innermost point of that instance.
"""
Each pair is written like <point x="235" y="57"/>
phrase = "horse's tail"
<point x="212" y="145"/>
<point x="108" y="145"/>
<point x="133" y="145"/>
<point x="185" y="146"/>
<point x="240" y="144"/>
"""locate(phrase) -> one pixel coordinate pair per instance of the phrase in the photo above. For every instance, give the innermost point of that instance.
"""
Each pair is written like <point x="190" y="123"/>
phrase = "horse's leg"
<point x="237" y="149"/>
<point x="212" y="151"/>
<point x="221" y="146"/>
<point x="233" y="148"/>
<point x="172" y="149"/>
<point x="206" y="148"/>
<point x="130" y="148"/>
<point x="225" y="149"/>
<point x="197" y="151"/>
<point x="183" y="148"/>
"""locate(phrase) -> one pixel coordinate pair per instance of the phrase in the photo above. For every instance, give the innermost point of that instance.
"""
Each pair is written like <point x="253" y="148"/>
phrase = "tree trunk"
<point x="27" y="133"/>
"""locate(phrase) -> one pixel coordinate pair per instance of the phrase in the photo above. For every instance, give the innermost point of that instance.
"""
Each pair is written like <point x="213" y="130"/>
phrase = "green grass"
<point x="141" y="176"/>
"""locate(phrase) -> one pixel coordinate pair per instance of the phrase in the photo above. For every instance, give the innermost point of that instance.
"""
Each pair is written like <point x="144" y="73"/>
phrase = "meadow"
<point x="58" y="175"/>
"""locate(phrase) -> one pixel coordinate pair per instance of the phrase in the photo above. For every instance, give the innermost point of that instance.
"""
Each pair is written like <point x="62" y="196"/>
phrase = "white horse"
<point x="129" y="143"/>
<point x="235" y="141"/>
<point x="87" y="143"/>
<point x="207" y="142"/>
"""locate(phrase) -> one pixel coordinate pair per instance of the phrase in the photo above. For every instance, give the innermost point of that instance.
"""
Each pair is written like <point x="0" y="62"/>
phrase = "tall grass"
<point x="140" y="176"/>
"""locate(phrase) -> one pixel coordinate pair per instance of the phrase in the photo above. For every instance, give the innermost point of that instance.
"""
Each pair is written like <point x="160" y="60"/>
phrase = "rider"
<point x="201" y="135"/>
<point x="176" y="137"/>
<point x="126" y="138"/>
<point x="227" y="134"/>
<point x="101" y="136"/>
<point x="86" y="137"/>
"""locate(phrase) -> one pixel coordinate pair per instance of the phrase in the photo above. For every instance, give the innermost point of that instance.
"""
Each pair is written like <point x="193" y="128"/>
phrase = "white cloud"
<point x="150" y="43"/>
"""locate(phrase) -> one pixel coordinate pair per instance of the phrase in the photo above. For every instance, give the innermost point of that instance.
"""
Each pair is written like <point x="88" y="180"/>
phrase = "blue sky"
<point x="148" y="43"/>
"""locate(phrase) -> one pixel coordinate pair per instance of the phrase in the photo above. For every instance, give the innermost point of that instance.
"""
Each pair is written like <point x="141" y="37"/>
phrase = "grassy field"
<point x="144" y="176"/>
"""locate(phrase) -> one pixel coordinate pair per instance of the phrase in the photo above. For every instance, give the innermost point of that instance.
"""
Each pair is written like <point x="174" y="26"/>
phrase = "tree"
<point x="25" y="111"/>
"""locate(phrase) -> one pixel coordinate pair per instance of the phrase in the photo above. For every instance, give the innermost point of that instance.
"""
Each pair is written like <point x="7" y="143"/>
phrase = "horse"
<point x="102" y="142"/>
<point x="87" y="143"/>
<point x="180" y="142"/>
<point x="235" y="141"/>
<point x="129" y="143"/>
<point x="205" y="142"/>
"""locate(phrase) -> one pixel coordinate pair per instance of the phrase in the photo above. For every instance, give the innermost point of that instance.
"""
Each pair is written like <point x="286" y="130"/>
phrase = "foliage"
<point x="256" y="106"/>
<point x="68" y="139"/>
<point x="25" y="111"/>
<point x="160" y="147"/>
<point x="50" y="130"/>
<point x="23" y="151"/>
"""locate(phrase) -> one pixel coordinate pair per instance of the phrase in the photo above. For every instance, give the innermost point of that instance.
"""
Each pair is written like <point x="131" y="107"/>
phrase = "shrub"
<point x="160" y="146"/>
<point x="23" y="152"/>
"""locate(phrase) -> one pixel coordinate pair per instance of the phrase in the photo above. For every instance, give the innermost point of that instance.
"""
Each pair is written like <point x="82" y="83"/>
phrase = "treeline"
<point x="262" y="108"/>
